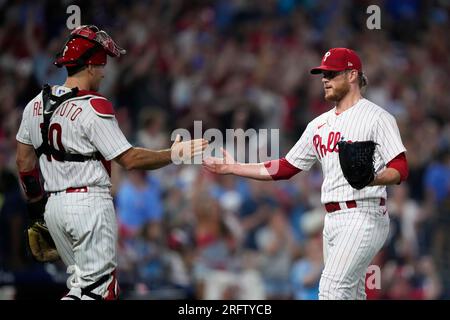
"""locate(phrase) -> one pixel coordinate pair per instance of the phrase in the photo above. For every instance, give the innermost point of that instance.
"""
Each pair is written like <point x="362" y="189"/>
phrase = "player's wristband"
<point x="31" y="183"/>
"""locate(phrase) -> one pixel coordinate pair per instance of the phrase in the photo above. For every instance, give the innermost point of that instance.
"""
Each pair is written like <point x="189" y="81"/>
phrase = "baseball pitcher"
<point x="359" y="147"/>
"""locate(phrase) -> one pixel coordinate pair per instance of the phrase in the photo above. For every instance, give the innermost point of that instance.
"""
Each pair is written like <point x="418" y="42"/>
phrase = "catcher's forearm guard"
<point x="31" y="183"/>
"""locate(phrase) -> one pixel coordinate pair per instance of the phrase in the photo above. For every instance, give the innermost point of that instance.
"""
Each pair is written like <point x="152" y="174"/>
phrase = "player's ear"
<point x="90" y="69"/>
<point x="353" y="75"/>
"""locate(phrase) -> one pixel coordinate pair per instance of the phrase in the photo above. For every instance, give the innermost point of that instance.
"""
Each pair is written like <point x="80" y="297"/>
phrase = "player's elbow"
<point x="129" y="165"/>
<point x="20" y="162"/>
<point x="25" y="157"/>
<point x="396" y="177"/>
<point x="400" y="166"/>
<point x="127" y="159"/>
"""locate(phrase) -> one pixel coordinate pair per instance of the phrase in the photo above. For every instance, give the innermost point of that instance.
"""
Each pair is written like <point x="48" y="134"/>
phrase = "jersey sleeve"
<point x="302" y="153"/>
<point x="387" y="135"/>
<point x="23" y="134"/>
<point x="106" y="136"/>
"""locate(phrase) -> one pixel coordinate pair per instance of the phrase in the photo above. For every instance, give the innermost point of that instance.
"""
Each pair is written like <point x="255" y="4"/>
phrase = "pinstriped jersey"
<point x="363" y="121"/>
<point x="75" y="127"/>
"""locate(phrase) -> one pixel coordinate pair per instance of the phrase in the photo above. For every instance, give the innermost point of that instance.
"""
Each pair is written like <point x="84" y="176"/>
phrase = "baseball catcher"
<point x="69" y="133"/>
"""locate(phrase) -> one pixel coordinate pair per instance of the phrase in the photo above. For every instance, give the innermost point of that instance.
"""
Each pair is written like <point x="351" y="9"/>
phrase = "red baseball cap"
<point x="339" y="59"/>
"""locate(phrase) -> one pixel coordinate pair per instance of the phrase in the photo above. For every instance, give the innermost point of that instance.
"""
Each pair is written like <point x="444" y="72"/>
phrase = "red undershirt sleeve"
<point x="400" y="164"/>
<point x="281" y="169"/>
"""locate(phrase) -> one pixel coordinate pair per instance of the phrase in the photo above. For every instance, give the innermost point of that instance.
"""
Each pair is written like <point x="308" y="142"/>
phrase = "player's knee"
<point x="330" y="293"/>
<point x="336" y="290"/>
<point x="336" y="294"/>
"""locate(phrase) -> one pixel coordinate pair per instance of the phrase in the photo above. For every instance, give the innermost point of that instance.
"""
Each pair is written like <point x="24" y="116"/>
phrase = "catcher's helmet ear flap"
<point x="87" y="45"/>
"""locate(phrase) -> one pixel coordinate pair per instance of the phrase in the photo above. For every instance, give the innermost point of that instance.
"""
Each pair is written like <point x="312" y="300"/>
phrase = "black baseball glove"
<point x="40" y="242"/>
<point x="357" y="162"/>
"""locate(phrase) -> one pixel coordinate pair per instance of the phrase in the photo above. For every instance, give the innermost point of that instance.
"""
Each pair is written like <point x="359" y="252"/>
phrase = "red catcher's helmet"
<point x="87" y="45"/>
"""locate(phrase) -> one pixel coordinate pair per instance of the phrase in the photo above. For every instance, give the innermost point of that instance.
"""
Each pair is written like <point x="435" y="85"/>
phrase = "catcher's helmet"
<point x="87" y="45"/>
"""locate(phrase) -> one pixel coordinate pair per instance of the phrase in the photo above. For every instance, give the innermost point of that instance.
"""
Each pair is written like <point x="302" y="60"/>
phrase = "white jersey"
<point x="82" y="125"/>
<point x="364" y="121"/>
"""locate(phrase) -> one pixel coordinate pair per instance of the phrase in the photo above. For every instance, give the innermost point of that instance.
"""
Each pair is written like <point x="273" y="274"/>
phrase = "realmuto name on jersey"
<point x="330" y="145"/>
<point x="68" y="110"/>
<point x="37" y="109"/>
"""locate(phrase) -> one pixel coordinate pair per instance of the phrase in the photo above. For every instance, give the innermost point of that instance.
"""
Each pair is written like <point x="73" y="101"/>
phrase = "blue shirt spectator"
<point x="300" y="291"/>
<point x="437" y="177"/>
<point x="139" y="201"/>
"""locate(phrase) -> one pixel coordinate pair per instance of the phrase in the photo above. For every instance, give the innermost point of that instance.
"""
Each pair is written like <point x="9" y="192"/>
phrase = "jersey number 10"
<point x="55" y="128"/>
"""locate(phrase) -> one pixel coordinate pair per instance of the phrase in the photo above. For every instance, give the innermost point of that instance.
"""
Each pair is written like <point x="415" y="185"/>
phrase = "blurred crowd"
<point x="184" y="233"/>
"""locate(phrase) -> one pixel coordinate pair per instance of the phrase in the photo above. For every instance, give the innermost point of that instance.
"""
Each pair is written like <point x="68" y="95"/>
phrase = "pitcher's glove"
<point x="40" y="242"/>
<point x="357" y="162"/>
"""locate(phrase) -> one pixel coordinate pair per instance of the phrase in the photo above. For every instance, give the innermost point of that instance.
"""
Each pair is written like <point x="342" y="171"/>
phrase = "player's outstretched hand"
<point x="219" y="165"/>
<point x="183" y="152"/>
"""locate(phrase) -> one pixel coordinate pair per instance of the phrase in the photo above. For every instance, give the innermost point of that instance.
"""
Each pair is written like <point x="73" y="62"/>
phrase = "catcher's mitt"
<point x="40" y="242"/>
<point x="357" y="162"/>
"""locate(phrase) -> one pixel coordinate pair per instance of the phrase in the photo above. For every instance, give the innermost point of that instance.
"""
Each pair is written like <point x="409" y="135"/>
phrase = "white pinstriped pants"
<point x="84" y="228"/>
<point x="351" y="239"/>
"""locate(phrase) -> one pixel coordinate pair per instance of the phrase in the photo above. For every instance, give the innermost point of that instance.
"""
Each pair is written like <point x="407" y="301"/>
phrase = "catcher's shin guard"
<point x="73" y="294"/>
<point x="112" y="290"/>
